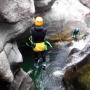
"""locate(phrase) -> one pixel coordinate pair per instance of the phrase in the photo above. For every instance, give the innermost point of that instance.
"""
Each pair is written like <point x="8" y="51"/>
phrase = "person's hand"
<point x="30" y="38"/>
<point x="27" y="44"/>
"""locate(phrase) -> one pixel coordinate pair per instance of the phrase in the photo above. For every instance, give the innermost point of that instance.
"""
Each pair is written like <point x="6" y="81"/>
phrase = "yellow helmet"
<point x="39" y="21"/>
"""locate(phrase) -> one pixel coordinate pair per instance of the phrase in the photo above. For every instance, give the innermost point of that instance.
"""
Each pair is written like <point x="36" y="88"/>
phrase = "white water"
<point x="78" y="44"/>
<point x="57" y="73"/>
<point x="51" y="78"/>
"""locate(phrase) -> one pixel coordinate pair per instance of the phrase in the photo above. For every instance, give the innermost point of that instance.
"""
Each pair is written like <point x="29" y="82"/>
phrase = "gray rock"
<point x="86" y="3"/>
<point x="22" y="81"/>
<point x="16" y="10"/>
<point x="5" y="71"/>
<point x="14" y="56"/>
<point x="77" y="68"/>
<point x="43" y="5"/>
<point x="15" y="18"/>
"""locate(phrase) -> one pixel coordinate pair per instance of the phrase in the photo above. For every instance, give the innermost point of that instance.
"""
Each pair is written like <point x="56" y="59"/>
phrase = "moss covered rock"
<point x="78" y="78"/>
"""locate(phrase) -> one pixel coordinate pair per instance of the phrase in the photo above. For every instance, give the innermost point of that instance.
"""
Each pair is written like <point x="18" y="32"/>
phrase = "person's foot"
<point x="36" y="65"/>
<point x="44" y="65"/>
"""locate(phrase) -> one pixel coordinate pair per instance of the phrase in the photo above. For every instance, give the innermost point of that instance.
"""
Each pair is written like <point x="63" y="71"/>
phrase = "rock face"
<point x="78" y="73"/>
<point x="15" y="18"/>
<point x="85" y="2"/>
<point x="16" y="10"/>
<point x="22" y="81"/>
<point x="43" y="5"/>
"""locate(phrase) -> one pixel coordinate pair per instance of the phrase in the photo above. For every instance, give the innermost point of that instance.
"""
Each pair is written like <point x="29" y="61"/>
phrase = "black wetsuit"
<point x="38" y="35"/>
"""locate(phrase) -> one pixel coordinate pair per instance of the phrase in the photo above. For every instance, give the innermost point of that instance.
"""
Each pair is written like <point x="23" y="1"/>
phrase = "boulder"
<point x="16" y="10"/>
<point x="22" y="81"/>
<point x="43" y="5"/>
<point x="15" y="17"/>
<point x="77" y="72"/>
<point x="86" y="3"/>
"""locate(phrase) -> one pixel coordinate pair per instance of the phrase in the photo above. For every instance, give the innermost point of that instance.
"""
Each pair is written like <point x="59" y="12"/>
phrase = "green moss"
<point x="85" y="78"/>
<point x="78" y="79"/>
<point x="84" y="69"/>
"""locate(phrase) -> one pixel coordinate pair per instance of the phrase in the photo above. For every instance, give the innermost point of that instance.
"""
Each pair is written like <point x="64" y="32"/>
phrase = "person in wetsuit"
<point x="76" y="33"/>
<point x="37" y="39"/>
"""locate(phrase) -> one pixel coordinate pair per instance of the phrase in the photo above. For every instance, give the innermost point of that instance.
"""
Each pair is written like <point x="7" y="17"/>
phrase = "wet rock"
<point x="78" y="71"/>
<point x="22" y="81"/>
<point x="43" y="5"/>
<point x="78" y="78"/>
<point x="74" y="50"/>
<point x="15" y="17"/>
<point x="5" y="71"/>
<point x="16" y="10"/>
<point x="86" y="3"/>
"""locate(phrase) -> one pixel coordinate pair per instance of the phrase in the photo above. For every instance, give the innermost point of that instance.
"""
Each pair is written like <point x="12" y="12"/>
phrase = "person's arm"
<point x="30" y="42"/>
<point x="48" y="44"/>
<point x="27" y="44"/>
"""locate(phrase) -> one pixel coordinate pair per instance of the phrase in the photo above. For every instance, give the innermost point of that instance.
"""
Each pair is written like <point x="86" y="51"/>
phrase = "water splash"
<point x="51" y="78"/>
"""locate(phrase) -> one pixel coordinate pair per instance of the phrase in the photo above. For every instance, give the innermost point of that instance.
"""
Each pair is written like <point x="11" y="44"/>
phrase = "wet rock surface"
<point x="85" y="2"/>
<point x="16" y="10"/>
<point x="78" y="71"/>
<point x="43" y="6"/>
<point x="22" y="81"/>
<point x="15" y="18"/>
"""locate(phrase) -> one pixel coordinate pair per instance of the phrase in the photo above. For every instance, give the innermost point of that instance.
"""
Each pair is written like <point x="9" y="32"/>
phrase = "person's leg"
<point x="43" y="56"/>
<point x="44" y="60"/>
<point x="36" y="57"/>
<point x="36" y="64"/>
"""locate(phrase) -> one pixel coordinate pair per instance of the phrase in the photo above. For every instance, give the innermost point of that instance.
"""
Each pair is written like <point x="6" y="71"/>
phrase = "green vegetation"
<point x="85" y="78"/>
<point x="78" y="78"/>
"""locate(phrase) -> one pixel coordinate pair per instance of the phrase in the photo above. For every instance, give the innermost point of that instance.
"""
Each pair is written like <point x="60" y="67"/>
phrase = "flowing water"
<point x="57" y="61"/>
<point x="51" y="77"/>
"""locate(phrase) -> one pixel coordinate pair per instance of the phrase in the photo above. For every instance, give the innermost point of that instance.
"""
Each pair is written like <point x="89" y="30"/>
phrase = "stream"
<point x="57" y="61"/>
<point x="51" y="77"/>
